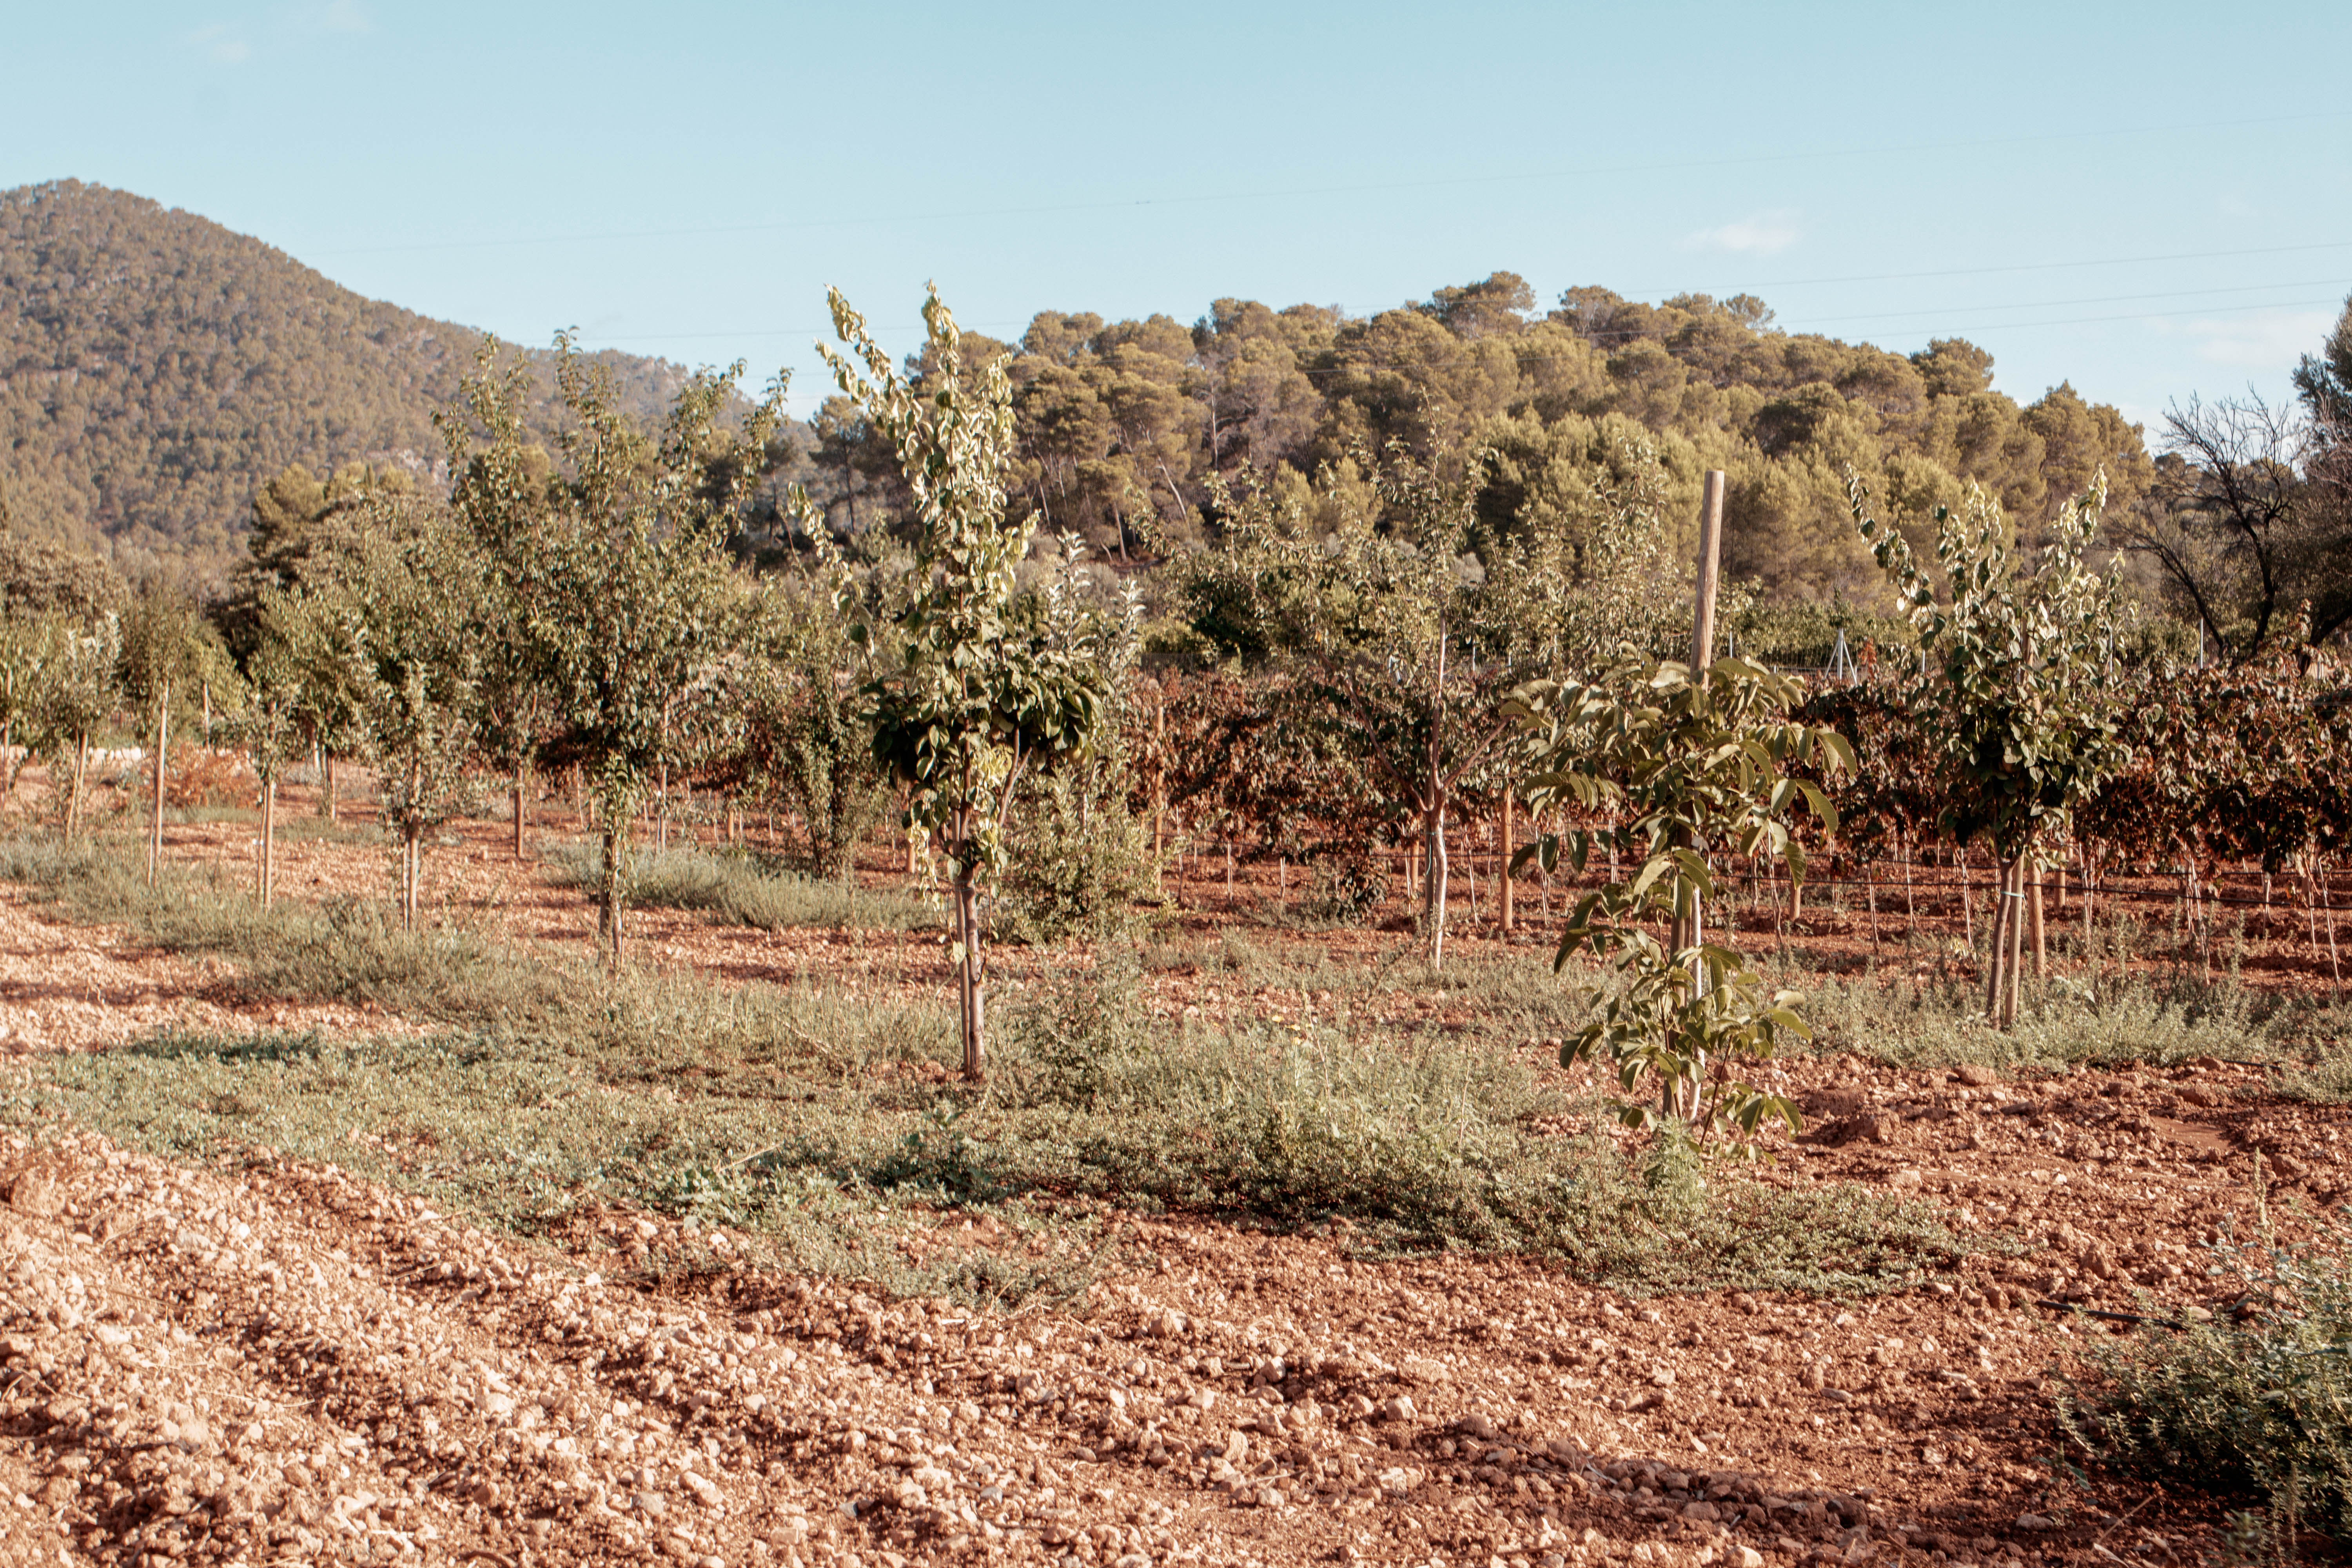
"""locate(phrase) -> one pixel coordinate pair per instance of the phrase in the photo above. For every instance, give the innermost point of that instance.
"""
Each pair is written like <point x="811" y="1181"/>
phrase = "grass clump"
<point x="2258" y="1409"/>
<point x="740" y="889"/>
<point x="522" y="1133"/>
<point x="1425" y="1140"/>
<point x="824" y="1121"/>
<point x="2130" y="1018"/>
<point x="345" y="950"/>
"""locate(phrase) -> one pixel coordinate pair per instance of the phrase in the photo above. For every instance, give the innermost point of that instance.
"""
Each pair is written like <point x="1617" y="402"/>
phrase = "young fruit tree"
<point x="1678" y="766"/>
<point x="1373" y="622"/>
<point x="272" y="725"/>
<point x="966" y="692"/>
<point x="405" y="619"/>
<point x="78" y="696"/>
<point x="166" y="652"/>
<point x="2015" y="677"/>
<point x="611" y="560"/>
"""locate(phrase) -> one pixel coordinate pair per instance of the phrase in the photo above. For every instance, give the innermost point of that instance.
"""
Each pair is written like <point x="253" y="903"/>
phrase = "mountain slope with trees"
<point x="1127" y="426"/>
<point x="156" y="368"/>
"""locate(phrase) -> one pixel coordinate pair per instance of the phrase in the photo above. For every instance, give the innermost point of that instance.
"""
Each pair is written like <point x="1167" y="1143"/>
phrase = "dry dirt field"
<point x="257" y="1360"/>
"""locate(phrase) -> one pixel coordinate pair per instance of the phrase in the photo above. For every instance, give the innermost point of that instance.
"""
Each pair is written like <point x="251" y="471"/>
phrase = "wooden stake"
<point x="2033" y="913"/>
<point x="1503" y="894"/>
<point x="1710" y="560"/>
<point x="155" y="816"/>
<point x="1689" y="930"/>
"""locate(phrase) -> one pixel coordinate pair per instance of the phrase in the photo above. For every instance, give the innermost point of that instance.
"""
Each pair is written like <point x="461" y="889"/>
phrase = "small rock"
<point x="1748" y="1557"/>
<point x="1908" y="1179"/>
<point x="36" y="1193"/>
<point x="1977" y="1077"/>
<point x="1700" y="1512"/>
<point x="653" y="1505"/>
<point x="1398" y="1409"/>
<point x="2032" y="1521"/>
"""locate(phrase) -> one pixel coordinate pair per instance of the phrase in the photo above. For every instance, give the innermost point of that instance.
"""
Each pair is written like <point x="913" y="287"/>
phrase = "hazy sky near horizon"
<point x="2151" y="201"/>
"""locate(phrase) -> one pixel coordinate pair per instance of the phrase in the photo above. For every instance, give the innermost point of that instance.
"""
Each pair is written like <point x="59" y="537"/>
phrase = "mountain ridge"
<point x="157" y="368"/>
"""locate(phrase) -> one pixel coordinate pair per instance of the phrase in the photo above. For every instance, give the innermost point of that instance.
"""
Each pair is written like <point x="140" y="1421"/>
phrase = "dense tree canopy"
<point x="1125" y="425"/>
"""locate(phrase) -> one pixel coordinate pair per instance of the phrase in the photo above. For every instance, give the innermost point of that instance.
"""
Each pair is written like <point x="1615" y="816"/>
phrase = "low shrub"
<point x="736" y="889"/>
<point x="2257" y="1409"/>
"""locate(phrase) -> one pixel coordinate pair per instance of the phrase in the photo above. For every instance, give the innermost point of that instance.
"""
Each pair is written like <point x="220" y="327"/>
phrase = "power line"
<point x="2045" y="265"/>
<point x="1367" y="187"/>
<point x="2089" y="300"/>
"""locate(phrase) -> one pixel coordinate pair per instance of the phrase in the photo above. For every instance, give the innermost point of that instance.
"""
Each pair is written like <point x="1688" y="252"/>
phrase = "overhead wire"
<point x="1352" y="188"/>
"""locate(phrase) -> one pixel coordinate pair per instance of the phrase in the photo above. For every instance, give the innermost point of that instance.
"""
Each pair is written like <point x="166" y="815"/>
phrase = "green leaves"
<point x="979" y="692"/>
<point x="2015" y="671"/>
<point x="1679" y="1022"/>
<point x="1675" y="765"/>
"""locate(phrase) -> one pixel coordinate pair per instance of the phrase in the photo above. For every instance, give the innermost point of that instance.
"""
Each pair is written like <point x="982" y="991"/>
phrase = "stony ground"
<point x="259" y="1362"/>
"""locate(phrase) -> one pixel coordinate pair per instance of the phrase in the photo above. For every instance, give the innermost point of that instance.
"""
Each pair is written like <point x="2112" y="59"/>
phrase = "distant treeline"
<point x="1127" y="426"/>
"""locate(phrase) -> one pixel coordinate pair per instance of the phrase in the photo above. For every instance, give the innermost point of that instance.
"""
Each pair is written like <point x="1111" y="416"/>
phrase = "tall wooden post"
<point x="1710" y="562"/>
<point x="1689" y="928"/>
<point x="1690" y="932"/>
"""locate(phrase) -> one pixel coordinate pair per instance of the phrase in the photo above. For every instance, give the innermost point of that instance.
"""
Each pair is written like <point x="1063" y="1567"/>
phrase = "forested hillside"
<point x="1128" y="420"/>
<point x="156" y="368"/>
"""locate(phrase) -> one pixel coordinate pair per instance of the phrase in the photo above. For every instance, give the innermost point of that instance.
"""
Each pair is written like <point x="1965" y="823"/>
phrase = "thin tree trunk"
<point x="408" y="881"/>
<point x="81" y="773"/>
<point x="1870" y="897"/>
<point x="2311" y="902"/>
<point x="2013" y="966"/>
<point x="522" y="795"/>
<point x="1437" y="880"/>
<point x="1910" y="905"/>
<point x="2040" y="938"/>
<point x="608" y="891"/>
<point x="1159" y="791"/>
<point x="970" y="998"/>
<point x="2335" y="963"/>
<point x="266" y="872"/>
<point x="155" y="812"/>
<point x="1505" y="912"/>
<point x="2090" y="951"/>
<point x="1996" y="949"/>
<point x="1470" y="880"/>
<point x="1967" y="899"/>
<point x="327" y="787"/>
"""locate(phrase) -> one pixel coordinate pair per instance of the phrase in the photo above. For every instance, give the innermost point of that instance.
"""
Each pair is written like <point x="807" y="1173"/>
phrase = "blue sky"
<point x="2149" y="201"/>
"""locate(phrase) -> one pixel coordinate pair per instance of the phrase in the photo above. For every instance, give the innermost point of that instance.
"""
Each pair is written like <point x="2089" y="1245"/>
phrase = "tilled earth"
<point x="258" y="1362"/>
<point x="261" y="1362"/>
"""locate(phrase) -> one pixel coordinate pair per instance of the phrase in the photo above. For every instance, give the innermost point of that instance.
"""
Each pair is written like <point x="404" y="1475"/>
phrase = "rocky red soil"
<point x="259" y="1361"/>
